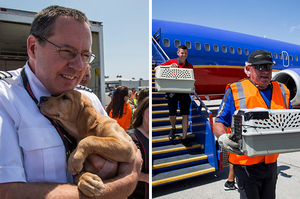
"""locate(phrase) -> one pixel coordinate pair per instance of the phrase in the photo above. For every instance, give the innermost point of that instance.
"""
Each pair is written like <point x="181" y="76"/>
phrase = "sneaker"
<point x="186" y="143"/>
<point x="172" y="134"/>
<point x="229" y="186"/>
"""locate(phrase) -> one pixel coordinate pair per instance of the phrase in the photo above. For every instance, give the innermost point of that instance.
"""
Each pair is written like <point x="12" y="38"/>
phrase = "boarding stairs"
<point x="172" y="161"/>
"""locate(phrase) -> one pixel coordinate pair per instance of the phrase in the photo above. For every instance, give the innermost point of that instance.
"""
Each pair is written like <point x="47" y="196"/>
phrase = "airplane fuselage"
<point x="219" y="56"/>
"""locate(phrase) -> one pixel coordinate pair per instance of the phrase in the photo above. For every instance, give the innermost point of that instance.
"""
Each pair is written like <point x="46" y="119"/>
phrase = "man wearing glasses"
<point x="256" y="176"/>
<point x="33" y="160"/>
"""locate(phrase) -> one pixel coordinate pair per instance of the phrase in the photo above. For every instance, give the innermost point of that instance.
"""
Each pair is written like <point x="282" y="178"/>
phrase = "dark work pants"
<point x="256" y="181"/>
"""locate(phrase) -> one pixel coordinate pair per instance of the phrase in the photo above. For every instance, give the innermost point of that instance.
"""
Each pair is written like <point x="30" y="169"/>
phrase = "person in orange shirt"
<point x="256" y="176"/>
<point x="119" y="109"/>
<point x="134" y="93"/>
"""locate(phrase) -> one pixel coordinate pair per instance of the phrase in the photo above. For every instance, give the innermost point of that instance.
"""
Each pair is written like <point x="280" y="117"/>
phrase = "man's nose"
<point x="77" y="63"/>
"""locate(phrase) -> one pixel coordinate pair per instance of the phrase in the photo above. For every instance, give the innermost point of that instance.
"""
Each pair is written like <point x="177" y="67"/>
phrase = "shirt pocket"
<point x="39" y="138"/>
<point x="44" y="155"/>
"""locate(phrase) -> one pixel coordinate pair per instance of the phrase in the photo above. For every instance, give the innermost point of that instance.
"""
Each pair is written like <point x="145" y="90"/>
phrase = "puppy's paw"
<point x="75" y="163"/>
<point x="90" y="184"/>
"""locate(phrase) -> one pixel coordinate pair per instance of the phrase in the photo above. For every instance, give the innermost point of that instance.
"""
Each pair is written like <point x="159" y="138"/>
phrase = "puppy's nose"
<point x="43" y="99"/>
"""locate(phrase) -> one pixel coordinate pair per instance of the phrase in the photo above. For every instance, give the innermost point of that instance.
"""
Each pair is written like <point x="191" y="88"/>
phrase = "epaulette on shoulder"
<point x="80" y="87"/>
<point x="5" y="74"/>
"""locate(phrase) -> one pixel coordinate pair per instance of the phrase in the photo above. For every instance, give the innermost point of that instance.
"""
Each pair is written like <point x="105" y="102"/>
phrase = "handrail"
<point x="160" y="49"/>
<point x="207" y="110"/>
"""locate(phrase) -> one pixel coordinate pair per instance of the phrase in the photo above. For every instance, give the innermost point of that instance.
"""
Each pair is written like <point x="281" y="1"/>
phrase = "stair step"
<point x="166" y="128"/>
<point x="159" y="98"/>
<point x="162" y="112"/>
<point x="164" y="138"/>
<point x="160" y="105"/>
<point x="158" y="93"/>
<point x="181" y="174"/>
<point x="174" y="149"/>
<point x="165" y="119"/>
<point x="178" y="160"/>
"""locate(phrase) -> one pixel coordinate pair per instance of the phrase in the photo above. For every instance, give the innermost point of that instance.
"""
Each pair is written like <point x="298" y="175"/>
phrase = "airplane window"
<point x="231" y="50"/>
<point x="285" y="57"/>
<point x="291" y="57"/>
<point x="239" y="50"/>
<point x="177" y="43"/>
<point x="246" y="51"/>
<point x="166" y="42"/>
<point x="280" y="56"/>
<point x="216" y="48"/>
<point x="188" y="44"/>
<point x="296" y="58"/>
<point x="207" y="47"/>
<point x="275" y="56"/>
<point x="198" y="46"/>
<point x="224" y="49"/>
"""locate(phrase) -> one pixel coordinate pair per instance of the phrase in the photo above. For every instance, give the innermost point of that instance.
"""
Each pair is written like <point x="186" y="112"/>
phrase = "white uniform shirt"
<point x="31" y="149"/>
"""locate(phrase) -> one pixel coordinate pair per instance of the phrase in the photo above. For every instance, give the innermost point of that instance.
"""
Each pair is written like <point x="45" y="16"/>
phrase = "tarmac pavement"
<point x="210" y="186"/>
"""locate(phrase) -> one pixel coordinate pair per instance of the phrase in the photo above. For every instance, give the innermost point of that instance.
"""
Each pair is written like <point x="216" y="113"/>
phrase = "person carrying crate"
<point x="256" y="176"/>
<point x="183" y="98"/>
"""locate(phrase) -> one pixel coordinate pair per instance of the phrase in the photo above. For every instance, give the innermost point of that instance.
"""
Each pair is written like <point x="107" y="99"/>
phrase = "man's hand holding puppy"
<point x="95" y="163"/>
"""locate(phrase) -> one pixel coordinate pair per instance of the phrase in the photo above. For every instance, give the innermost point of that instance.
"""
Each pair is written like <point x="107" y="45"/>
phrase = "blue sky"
<point x="125" y="27"/>
<point x="279" y="20"/>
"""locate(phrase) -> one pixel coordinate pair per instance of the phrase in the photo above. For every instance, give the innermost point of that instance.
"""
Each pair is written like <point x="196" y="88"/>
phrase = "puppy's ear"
<point x="87" y="118"/>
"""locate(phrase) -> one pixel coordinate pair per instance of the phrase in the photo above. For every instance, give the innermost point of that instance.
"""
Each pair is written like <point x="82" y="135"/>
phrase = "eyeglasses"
<point x="69" y="53"/>
<point x="261" y="67"/>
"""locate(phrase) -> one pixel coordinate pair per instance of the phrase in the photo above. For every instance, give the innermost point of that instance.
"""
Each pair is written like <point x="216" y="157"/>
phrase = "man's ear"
<point x="32" y="43"/>
<point x="247" y="70"/>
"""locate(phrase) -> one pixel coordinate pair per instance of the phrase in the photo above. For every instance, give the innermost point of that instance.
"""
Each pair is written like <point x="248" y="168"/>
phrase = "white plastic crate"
<point x="266" y="132"/>
<point x="174" y="80"/>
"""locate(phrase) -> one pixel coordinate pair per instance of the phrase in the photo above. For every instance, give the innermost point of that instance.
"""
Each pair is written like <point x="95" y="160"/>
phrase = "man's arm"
<point x="219" y="129"/>
<point x="144" y="177"/>
<point x="173" y="65"/>
<point x="119" y="187"/>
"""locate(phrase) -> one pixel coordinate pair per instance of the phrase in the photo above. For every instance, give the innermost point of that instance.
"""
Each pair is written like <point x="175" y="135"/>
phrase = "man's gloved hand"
<point x="229" y="145"/>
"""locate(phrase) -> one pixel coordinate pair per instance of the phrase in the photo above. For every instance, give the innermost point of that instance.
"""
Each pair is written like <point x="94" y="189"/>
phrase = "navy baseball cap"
<point x="260" y="57"/>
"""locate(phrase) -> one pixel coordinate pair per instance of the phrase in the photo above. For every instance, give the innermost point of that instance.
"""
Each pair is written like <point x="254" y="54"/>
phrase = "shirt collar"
<point x="185" y="63"/>
<point x="36" y="85"/>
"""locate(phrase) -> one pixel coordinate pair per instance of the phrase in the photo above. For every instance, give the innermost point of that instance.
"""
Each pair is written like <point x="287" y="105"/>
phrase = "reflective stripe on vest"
<point x="247" y="96"/>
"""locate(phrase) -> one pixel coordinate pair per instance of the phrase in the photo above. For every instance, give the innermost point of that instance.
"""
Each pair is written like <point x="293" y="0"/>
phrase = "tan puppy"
<point x="95" y="134"/>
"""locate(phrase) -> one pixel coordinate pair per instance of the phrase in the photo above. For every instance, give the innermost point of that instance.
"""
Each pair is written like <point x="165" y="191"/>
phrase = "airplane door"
<point x="285" y="59"/>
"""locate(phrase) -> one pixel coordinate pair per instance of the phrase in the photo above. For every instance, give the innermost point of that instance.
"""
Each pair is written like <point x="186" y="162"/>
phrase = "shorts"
<point x="184" y="103"/>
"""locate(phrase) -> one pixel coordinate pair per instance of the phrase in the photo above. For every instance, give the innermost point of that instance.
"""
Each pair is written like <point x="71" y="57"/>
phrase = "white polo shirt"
<point x="31" y="149"/>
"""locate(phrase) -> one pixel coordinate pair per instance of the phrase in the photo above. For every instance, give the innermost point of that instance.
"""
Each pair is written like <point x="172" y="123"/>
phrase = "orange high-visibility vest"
<point x="246" y="96"/>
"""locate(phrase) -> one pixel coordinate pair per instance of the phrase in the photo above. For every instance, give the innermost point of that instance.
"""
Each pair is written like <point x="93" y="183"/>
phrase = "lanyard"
<point x="70" y="144"/>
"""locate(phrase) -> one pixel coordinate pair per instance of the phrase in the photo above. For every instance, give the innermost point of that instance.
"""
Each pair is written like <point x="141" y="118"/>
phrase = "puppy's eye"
<point x="65" y="97"/>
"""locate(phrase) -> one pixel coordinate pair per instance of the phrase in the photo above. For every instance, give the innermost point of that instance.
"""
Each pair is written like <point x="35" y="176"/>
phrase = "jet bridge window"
<point x="166" y="42"/>
<point x="198" y="46"/>
<point x="207" y="47"/>
<point x="224" y="49"/>
<point x="188" y="44"/>
<point x="216" y="48"/>
<point x="177" y="43"/>
<point x="239" y="50"/>
<point x="231" y="50"/>
<point x="246" y="51"/>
